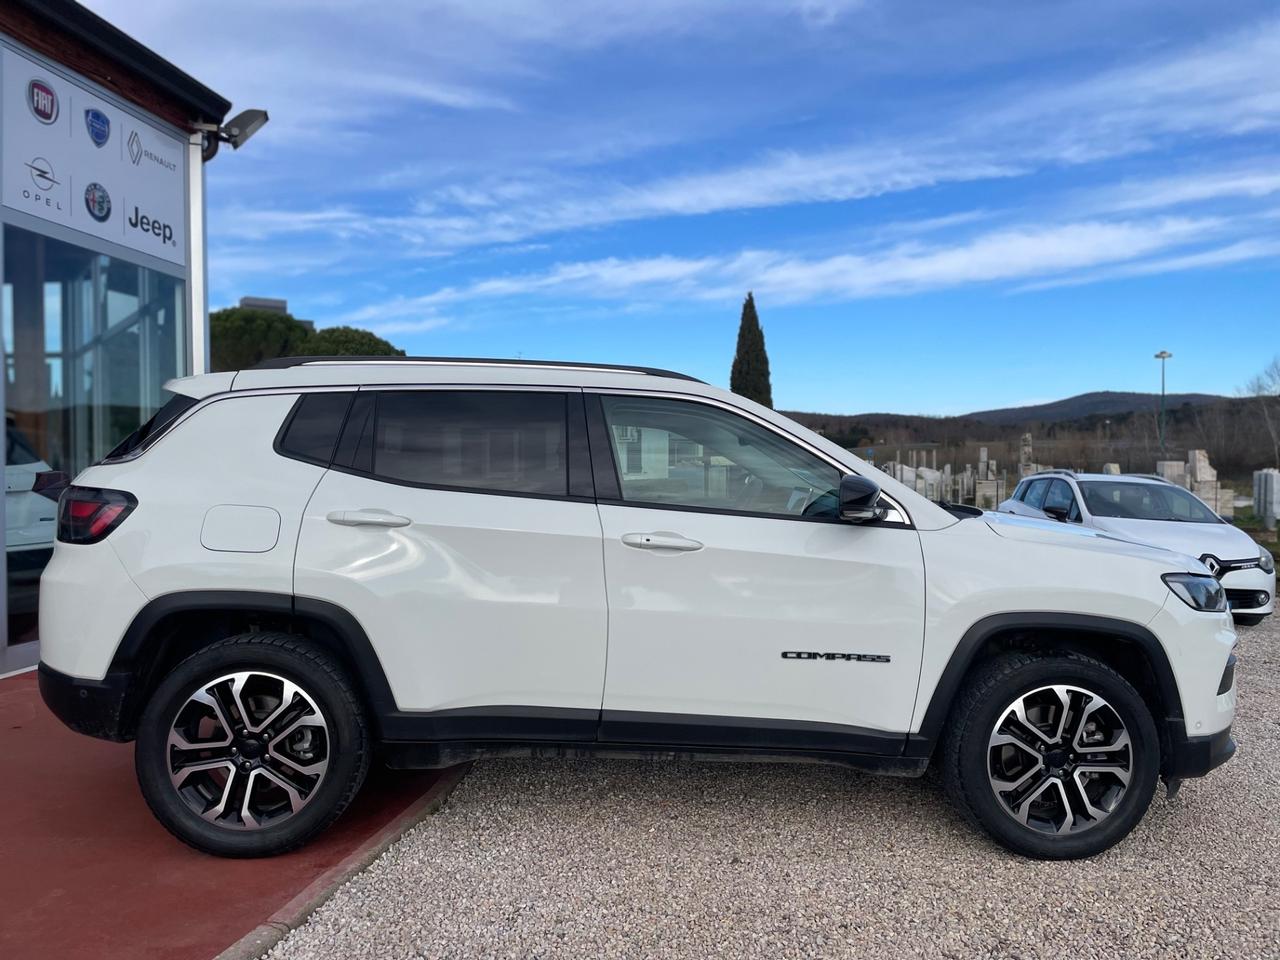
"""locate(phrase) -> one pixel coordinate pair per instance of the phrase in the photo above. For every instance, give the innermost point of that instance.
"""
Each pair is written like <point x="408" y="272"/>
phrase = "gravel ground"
<point x="625" y="859"/>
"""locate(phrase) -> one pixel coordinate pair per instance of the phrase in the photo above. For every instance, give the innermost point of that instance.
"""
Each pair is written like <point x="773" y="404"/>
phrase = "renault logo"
<point x="1213" y="563"/>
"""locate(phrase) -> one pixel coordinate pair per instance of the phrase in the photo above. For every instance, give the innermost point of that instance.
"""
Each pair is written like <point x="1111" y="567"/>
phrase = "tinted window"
<point x="1144" y="501"/>
<point x="1035" y="493"/>
<point x="1060" y="497"/>
<point x="691" y="454"/>
<point x="149" y="431"/>
<point x="488" y="440"/>
<point x="313" y="430"/>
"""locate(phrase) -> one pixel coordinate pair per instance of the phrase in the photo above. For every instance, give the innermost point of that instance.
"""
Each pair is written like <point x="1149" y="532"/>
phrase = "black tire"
<point x="346" y="743"/>
<point x="966" y="750"/>
<point x="1248" y="619"/>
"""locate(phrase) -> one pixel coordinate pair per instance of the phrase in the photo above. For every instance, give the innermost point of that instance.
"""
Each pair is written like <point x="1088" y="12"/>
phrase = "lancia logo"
<point x="99" y="126"/>
<point x="135" y="148"/>
<point x="98" y="202"/>
<point x="42" y="174"/>
<point x="43" y="101"/>
<point x="1213" y="563"/>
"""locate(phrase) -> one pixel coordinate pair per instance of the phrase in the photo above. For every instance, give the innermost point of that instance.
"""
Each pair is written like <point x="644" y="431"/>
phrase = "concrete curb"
<point x="294" y="913"/>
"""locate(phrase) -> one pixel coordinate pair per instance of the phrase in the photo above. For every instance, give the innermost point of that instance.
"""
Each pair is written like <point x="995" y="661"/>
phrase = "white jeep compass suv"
<point x="293" y="566"/>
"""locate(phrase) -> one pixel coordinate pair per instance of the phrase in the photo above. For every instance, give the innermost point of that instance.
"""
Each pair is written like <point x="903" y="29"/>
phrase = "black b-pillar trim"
<point x="602" y="465"/>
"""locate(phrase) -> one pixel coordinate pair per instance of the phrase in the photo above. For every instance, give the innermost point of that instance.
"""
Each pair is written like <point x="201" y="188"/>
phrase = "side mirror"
<point x="1057" y="513"/>
<point x="859" y="500"/>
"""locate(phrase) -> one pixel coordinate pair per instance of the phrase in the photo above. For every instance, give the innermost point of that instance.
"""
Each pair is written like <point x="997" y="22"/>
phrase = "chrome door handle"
<point x="367" y="518"/>
<point x="660" y="541"/>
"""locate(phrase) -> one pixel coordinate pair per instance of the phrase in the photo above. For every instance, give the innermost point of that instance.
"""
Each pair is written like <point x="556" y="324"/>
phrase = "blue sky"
<point x="941" y="206"/>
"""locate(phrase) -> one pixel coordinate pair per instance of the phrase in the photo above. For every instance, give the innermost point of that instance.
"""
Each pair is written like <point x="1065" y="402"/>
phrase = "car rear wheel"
<point x="252" y="746"/>
<point x="1055" y="756"/>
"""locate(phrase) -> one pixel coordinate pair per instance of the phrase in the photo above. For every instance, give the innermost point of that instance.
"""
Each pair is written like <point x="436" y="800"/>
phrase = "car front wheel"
<point x="251" y="746"/>
<point x="1055" y="756"/>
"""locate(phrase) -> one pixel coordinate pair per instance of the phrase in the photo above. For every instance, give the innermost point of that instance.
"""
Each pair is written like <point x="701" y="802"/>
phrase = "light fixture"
<point x="235" y="131"/>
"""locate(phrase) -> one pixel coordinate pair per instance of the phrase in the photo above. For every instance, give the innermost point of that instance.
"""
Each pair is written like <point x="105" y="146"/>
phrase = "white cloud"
<point x="1226" y="87"/>
<point x="1259" y="179"/>
<point x="1239" y="252"/>
<point x="999" y="255"/>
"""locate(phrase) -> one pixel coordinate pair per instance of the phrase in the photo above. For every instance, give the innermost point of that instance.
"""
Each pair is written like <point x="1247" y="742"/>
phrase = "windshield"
<point x="1144" y="501"/>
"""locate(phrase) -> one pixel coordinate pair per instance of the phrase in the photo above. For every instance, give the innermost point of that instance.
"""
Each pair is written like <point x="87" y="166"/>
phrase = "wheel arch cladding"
<point x="1129" y="648"/>
<point x="174" y="626"/>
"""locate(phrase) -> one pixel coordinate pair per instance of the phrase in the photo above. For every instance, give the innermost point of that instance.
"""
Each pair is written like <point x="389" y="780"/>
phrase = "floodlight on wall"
<point x="235" y="131"/>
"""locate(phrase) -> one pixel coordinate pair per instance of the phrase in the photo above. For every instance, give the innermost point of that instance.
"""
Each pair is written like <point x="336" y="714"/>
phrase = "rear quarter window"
<point x="151" y="431"/>
<point x="311" y="431"/>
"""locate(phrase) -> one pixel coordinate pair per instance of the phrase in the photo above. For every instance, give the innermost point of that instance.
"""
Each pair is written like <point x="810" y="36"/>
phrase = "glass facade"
<point x="89" y="341"/>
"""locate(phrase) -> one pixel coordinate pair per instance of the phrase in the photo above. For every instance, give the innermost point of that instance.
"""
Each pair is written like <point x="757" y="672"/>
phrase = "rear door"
<point x="742" y="612"/>
<point x="458" y="527"/>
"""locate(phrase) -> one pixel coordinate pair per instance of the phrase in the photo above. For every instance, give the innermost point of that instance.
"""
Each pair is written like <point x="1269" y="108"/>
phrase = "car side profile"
<point x="1153" y="510"/>
<point x="294" y="567"/>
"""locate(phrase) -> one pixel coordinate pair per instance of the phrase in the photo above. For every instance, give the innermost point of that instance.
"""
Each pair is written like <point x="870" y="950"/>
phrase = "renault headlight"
<point x="1197" y="591"/>
<point x="1266" y="562"/>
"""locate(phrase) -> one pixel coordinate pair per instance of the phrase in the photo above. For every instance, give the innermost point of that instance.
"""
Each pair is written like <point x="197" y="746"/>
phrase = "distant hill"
<point x="1101" y="403"/>
<point x="1083" y="413"/>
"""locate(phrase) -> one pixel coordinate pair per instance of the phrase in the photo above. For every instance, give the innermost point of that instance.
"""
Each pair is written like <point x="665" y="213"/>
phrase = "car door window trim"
<point x="609" y="486"/>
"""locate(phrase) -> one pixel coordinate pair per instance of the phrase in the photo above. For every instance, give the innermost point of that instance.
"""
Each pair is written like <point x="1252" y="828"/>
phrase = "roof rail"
<point x="281" y="363"/>
<point x="1062" y="471"/>
<point x="1150" y="476"/>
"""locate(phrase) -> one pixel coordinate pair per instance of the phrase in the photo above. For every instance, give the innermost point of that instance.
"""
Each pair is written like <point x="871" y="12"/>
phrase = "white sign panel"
<point x="74" y="159"/>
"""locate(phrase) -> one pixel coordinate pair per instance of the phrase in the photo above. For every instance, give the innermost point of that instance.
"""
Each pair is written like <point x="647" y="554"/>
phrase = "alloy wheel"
<point x="248" y="750"/>
<point x="1059" y="759"/>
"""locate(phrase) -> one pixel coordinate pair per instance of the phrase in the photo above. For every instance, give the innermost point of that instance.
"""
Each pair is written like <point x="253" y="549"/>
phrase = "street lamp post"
<point x="1162" y="356"/>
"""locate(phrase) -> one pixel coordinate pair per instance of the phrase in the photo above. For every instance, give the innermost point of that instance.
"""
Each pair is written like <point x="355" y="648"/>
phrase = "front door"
<point x="458" y="528"/>
<point x="742" y="612"/>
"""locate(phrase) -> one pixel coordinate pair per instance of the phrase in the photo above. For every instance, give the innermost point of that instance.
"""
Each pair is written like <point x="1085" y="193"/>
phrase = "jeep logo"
<point x="140" y="221"/>
<point x="815" y="655"/>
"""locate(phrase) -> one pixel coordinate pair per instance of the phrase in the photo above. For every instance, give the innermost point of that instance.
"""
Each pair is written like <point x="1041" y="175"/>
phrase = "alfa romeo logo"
<point x="98" y="202"/>
<point x="43" y="101"/>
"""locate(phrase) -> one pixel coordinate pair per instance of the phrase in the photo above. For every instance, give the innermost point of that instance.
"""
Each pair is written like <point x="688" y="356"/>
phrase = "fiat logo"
<point x="43" y="101"/>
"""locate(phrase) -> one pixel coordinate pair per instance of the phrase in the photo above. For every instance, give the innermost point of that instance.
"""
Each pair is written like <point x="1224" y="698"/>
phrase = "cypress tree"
<point x="750" y="374"/>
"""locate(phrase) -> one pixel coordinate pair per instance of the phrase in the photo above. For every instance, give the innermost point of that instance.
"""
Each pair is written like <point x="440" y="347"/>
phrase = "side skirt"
<point x="407" y="755"/>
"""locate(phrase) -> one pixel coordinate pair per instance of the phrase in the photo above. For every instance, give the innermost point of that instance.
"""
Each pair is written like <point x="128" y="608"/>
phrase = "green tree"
<point x="241" y="337"/>
<point x="750" y="374"/>
<point x="349" y="342"/>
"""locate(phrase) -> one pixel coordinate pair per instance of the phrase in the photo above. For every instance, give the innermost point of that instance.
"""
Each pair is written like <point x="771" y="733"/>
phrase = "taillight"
<point x="87" y="514"/>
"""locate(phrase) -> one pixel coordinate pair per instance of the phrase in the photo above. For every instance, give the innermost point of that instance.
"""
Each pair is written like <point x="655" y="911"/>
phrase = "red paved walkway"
<point x="86" y="872"/>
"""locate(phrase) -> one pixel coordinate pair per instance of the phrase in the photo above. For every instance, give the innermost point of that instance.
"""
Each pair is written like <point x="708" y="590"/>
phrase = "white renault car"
<point x="1153" y="510"/>
<point x="292" y="567"/>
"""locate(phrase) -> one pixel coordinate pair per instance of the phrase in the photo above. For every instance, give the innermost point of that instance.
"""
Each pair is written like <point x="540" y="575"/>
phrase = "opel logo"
<point x="42" y="174"/>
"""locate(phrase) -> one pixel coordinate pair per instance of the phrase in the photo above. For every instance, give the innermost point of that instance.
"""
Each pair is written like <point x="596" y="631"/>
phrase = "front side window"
<point x="488" y="441"/>
<point x="1036" y="492"/>
<point x="1060" y="498"/>
<point x="1144" y="501"/>
<point x="688" y="454"/>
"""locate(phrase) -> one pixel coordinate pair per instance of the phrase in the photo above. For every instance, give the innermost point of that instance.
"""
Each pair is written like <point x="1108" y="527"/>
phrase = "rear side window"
<point x="150" y="431"/>
<point x="500" y="441"/>
<point x="311" y="432"/>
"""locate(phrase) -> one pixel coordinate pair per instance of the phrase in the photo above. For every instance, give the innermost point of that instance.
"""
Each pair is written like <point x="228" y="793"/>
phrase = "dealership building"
<point x="102" y="206"/>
